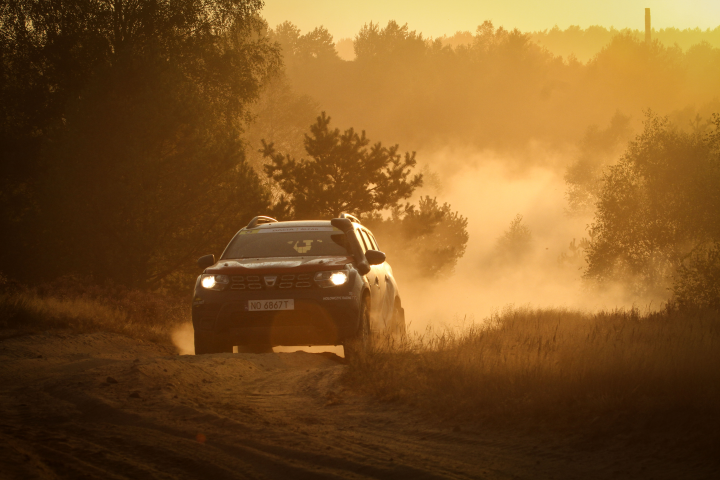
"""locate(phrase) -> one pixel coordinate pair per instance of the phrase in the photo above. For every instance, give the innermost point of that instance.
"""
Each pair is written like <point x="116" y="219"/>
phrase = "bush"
<point x="697" y="282"/>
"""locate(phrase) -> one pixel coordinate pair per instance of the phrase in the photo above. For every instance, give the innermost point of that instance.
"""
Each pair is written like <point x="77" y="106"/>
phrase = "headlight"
<point x="214" y="282"/>
<point x="338" y="278"/>
<point x="331" y="279"/>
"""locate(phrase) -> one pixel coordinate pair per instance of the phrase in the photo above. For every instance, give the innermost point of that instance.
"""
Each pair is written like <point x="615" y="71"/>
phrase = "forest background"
<point x="132" y="138"/>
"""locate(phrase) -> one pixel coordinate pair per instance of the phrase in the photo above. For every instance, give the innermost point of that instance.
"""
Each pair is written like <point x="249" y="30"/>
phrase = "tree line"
<point x="498" y="88"/>
<point x="584" y="43"/>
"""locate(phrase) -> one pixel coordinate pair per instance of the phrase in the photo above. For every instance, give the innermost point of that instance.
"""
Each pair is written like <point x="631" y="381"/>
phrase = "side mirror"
<point x="375" y="257"/>
<point x="206" y="261"/>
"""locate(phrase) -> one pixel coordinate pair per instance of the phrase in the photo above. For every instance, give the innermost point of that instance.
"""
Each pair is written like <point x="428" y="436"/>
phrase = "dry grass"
<point x="557" y="367"/>
<point x="85" y="307"/>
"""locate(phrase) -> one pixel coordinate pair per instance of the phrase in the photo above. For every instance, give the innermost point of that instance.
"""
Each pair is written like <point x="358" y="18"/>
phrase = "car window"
<point x="372" y="239"/>
<point x="287" y="242"/>
<point x="363" y="244"/>
<point x="369" y="242"/>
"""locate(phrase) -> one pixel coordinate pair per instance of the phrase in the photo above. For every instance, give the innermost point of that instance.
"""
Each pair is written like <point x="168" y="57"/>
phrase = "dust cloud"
<point x="183" y="339"/>
<point x="491" y="189"/>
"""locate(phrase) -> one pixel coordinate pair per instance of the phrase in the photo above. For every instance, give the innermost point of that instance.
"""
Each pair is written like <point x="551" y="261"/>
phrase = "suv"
<point x="320" y="282"/>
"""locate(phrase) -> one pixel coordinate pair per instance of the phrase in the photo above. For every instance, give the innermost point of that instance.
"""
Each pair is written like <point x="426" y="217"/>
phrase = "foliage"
<point x="497" y="88"/>
<point x="281" y="117"/>
<point x="575" y="255"/>
<point x="516" y="242"/>
<point x="167" y="180"/>
<point x="660" y="201"/>
<point x="304" y="53"/>
<point x="127" y="161"/>
<point x="298" y="48"/>
<point x="424" y="241"/>
<point x="586" y="43"/>
<point x="342" y="174"/>
<point x="697" y="281"/>
<point x="390" y="42"/>
<point x="598" y="149"/>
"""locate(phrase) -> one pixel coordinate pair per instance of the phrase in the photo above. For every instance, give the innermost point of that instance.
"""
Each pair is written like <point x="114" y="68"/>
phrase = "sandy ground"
<point x="106" y="406"/>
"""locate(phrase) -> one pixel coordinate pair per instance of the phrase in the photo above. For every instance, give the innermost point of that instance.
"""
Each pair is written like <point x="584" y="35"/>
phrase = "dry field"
<point x="82" y="308"/>
<point x="555" y="368"/>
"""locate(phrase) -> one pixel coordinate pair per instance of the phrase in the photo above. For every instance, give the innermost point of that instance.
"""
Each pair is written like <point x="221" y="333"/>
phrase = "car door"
<point x="373" y="284"/>
<point x="387" y="286"/>
<point x="379" y="284"/>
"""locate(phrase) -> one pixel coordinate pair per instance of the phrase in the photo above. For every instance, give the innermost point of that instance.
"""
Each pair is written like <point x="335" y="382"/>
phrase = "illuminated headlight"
<point x="331" y="279"/>
<point x="214" y="282"/>
<point x="338" y="278"/>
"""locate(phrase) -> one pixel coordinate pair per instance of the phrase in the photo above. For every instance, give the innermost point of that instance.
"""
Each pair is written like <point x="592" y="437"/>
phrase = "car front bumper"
<point x="320" y="317"/>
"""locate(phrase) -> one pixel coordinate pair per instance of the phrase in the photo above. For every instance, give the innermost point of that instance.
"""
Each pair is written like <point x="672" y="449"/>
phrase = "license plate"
<point x="265" y="305"/>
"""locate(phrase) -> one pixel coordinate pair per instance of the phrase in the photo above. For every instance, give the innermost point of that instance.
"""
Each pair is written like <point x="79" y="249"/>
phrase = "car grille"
<point x="258" y="282"/>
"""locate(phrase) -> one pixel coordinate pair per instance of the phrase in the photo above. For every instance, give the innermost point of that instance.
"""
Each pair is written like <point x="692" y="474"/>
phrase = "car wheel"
<point x="361" y="342"/>
<point x="209" y="342"/>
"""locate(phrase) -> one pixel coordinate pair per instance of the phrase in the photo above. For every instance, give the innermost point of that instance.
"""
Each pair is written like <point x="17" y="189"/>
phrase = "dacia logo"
<point x="270" y="280"/>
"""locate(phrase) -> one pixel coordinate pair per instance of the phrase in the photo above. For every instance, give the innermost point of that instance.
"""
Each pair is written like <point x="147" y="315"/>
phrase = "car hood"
<point x="242" y="266"/>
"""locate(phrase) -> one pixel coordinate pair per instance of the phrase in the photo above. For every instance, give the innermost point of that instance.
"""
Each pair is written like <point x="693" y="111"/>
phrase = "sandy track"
<point x="248" y="416"/>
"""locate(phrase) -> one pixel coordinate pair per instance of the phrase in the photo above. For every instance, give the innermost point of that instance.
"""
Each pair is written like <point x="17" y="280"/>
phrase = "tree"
<point x="298" y="48"/>
<point x="145" y="177"/>
<point x="133" y="135"/>
<point x="342" y="174"/>
<point x="393" y="41"/>
<point x="515" y="242"/>
<point x="423" y="241"/>
<point x="697" y="281"/>
<point x="281" y="117"/>
<point x="598" y="149"/>
<point x="660" y="203"/>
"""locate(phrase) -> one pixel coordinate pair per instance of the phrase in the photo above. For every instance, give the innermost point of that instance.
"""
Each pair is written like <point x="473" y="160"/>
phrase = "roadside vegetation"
<point x="551" y="368"/>
<point x="84" y="307"/>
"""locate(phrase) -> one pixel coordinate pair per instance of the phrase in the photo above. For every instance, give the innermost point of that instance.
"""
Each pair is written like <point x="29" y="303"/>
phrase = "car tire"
<point x="209" y="342"/>
<point x="360" y="343"/>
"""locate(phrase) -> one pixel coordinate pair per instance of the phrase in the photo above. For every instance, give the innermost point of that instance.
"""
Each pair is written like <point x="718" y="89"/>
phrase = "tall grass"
<point x="82" y="306"/>
<point x="555" y="365"/>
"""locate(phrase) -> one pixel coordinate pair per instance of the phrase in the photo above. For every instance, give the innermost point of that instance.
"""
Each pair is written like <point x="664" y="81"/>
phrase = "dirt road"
<point x="106" y="406"/>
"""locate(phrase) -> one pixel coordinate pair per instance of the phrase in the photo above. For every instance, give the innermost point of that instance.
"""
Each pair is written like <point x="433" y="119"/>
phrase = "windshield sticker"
<point x="300" y="248"/>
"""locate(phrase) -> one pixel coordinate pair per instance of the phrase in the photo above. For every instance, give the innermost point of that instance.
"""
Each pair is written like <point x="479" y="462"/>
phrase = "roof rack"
<point x="259" y="221"/>
<point x="352" y="218"/>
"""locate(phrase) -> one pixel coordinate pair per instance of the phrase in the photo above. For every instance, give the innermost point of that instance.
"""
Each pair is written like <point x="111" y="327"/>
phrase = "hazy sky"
<point x="434" y="18"/>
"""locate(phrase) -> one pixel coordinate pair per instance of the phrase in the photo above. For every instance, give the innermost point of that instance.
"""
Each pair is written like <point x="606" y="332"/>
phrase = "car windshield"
<point x="287" y="242"/>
